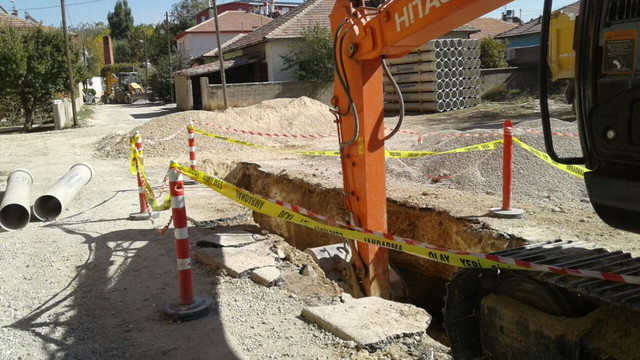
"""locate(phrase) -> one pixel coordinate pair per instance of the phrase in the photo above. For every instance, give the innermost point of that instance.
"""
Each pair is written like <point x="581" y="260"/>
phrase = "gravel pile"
<point x="300" y="116"/>
<point x="481" y="171"/>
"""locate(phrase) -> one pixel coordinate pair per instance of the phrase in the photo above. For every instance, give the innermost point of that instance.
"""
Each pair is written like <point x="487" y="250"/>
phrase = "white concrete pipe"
<point x="458" y="43"/>
<point x="419" y="77"/>
<point x="466" y="63"/>
<point x="416" y="87"/>
<point x="51" y="204"/>
<point x="416" y="97"/>
<point x="15" y="208"/>
<point x="431" y="45"/>
<point x="416" y="67"/>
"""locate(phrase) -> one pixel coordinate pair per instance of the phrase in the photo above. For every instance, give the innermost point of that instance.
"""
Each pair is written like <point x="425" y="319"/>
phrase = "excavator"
<point x="125" y="89"/>
<point x="501" y="313"/>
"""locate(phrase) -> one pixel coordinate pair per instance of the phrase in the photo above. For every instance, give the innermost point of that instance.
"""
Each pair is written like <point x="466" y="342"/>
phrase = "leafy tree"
<point x="90" y="36"/>
<point x="122" y="51"/>
<point x="492" y="53"/>
<point x="120" y="20"/>
<point x="183" y="13"/>
<point x="160" y="80"/>
<point x="33" y="67"/>
<point x="311" y="57"/>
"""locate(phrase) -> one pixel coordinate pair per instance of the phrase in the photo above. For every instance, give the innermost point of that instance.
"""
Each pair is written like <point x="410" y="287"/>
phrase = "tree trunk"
<point x="28" y="113"/>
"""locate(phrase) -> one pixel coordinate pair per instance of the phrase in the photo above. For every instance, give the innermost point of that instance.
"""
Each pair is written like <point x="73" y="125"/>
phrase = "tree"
<point x="90" y="36"/>
<point x="183" y="13"/>
<point x="492" y="53"/>
<point x="311" y="57"/>
<point x="33" y="67"/>
<point x="160" y="80"/>
<point x="120" y="20"/>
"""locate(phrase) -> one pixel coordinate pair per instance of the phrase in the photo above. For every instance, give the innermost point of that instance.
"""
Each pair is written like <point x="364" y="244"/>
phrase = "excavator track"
<point x="473" y="318"/>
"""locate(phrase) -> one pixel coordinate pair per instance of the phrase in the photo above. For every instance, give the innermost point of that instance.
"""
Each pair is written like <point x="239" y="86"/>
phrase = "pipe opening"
<point x="14" y="217"/>
<point x="47" y="207"/>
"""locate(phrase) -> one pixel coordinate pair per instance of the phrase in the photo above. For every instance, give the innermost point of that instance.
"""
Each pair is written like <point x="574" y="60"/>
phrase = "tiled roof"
<point x="292" y="24"/>
<point x="7" y="20"/>
<point x="215" y="66"/>
<point x="230" y="21"/>
<point x="488" y="27"/>
<point x="535" y="26"/>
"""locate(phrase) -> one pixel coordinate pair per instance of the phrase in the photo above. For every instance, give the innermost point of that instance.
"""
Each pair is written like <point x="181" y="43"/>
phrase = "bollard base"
<point x="200" y="307"/>
<point x="189" y="182"/>
<point x="507" y="214"/>
<point x="143" y="215"/>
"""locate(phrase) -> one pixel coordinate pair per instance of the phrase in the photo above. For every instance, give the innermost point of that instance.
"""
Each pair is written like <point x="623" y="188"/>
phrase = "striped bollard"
<point x="145" y="213"/>
<point x="187" y="307"/>
<point x="506" y="211"/>
<point x="192" y="150"/>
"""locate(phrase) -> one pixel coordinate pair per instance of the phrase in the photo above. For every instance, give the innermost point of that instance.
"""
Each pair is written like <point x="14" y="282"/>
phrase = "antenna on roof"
<point x="13" y="8"/>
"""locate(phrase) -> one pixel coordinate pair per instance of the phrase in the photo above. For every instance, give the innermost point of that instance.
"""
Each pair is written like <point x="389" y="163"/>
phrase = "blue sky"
<point x="152" y="11"/>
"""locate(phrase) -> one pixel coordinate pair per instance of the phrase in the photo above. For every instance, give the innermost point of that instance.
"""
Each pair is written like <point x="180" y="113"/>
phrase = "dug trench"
<point x="424" y="279"/>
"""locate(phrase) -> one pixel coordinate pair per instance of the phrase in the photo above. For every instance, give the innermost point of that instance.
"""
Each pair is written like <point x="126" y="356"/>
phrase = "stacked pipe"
<point x="441" y="75"/>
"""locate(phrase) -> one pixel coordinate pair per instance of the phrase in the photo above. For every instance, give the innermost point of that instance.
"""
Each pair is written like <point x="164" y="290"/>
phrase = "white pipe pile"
<point x="441" y="75"/>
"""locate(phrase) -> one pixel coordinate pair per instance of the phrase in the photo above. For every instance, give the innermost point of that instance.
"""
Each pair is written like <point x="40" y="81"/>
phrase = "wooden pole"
<point x="166" y="18"/>
<point x="223" y="79"/>
<point x="66" y="46"/>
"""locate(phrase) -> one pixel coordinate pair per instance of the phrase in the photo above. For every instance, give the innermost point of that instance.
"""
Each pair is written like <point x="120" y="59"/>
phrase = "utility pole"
<point x="166" y="19"/>
<point x="223" y="79"/>
<point x="66" y="46"/>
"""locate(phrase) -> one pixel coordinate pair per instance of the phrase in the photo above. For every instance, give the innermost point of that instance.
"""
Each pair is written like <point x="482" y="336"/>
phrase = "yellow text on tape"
<point x="271" y="208"/>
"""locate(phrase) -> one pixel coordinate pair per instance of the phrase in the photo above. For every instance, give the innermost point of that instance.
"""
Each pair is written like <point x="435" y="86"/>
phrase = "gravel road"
<point x="91" y="284"/>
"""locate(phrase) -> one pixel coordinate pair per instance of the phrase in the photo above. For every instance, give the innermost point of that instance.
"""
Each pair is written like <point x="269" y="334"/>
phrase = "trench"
<point x="425" y="280"/>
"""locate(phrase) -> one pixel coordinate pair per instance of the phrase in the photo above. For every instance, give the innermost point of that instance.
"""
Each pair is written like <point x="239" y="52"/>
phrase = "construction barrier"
<point x="191" y="145"/>
<point x="188" y="306"/>
<point x="301" y="216"/>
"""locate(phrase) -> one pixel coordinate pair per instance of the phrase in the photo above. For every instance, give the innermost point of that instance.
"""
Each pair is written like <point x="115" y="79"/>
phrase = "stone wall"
<point x="521" y="78"/>
<point x="254" y="93"/>
<point x="184" y="93"/>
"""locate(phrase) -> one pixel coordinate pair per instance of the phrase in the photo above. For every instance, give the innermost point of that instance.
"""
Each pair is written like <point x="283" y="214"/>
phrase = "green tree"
<point x="311" y="57"/>
<point x="120" y="20"/>
<point x="160" y="80"/>
<point x="183" y="13"/>
<point x="33" y="67"/>
<point x="90" y="37"/>
<point x="492" y="53"/>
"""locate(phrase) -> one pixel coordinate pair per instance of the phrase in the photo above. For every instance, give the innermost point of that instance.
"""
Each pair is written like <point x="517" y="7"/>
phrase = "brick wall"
<point x="254" y="93"/>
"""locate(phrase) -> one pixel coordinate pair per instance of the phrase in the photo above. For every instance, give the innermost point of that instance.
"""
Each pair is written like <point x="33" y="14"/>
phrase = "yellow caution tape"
<point x="491" y="145"/>
<point x="132" y="160"/>
<point x="148" y="190"/>
<point x="388" y="153"/>
<point x="574" y="170"/>
<point x="274" y="209"/>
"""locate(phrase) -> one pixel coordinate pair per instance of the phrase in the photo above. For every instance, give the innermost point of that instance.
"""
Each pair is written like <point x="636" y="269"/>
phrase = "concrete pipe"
<point x="455" y="104"/>
<point x="15" y="208"/>
<point x="447" y="105"/>
<point x="431" y="45"/>
<point x="478" y="63"/>
<point x="460" y="73"/>
<point x="458" y="43"/>
<point x="466" y="63"/>
<point x="50" y="204"/>
<point x="416" y="67"/>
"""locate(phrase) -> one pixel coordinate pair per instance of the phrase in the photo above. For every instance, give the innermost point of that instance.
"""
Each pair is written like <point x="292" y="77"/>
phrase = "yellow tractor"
<point x="125" y="89"/>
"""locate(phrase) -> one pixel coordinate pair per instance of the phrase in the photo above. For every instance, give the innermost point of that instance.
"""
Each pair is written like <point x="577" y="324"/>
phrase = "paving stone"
<point x="266" y="276"/>
<point x="237" y="261"/>
<point x="229" y="238"/>
<point x="370" y="322"/>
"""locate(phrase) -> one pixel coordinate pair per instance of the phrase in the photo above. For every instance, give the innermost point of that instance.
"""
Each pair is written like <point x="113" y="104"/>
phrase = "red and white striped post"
<point x="192" y="146"/>
<point x="188" y="306"/>
<point x="192" y="150"/>
<point x="507" y="177"/>
<point x="144" y="213"/>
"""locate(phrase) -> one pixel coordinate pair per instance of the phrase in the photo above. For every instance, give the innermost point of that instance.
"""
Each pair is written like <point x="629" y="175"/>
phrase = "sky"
<point x="152" y="11"/>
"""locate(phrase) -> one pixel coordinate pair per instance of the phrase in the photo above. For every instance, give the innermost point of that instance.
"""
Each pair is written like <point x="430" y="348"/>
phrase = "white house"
<point x="201" y="38"/>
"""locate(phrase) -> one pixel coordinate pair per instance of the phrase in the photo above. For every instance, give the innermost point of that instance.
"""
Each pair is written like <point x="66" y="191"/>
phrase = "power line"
<point x="58" y="6"/>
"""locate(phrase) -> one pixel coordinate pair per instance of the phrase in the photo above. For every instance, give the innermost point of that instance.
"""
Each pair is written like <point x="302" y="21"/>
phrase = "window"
<point x="285" y="10"/>
<point x="202" y="18"/>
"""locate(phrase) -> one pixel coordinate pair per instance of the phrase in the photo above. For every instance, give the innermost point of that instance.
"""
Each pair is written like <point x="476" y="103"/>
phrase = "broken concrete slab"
<point x="266" y="276"/>
<point x="237" y="261"/>
<point x="370" y="322"/>
<point x="230" y="239"/>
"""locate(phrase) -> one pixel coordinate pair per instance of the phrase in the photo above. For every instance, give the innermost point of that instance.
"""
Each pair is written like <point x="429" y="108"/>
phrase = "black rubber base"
<point x="199" y="308"/>
<point x="143" y="215"/>
<point x="190" y="182"/>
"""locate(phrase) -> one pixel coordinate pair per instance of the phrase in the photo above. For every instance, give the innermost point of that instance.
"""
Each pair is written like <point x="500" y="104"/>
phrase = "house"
<point x="524" y="41"/>
<point x="202" y="37"/>
<point x="256" y="58"/>
<point x="254" y="7"/>
<point x="489" y="27"/>
<point x="10" y="20"/>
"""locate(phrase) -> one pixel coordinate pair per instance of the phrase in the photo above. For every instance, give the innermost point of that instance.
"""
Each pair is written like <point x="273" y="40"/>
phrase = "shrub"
<point x="492" y="53"/>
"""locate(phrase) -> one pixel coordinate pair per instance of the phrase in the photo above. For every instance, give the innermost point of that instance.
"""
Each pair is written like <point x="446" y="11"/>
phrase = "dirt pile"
<point x="166" y="136"/>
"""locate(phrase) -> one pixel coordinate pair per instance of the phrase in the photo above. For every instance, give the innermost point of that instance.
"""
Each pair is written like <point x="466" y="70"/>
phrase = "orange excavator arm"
<point x="362" y="37"/>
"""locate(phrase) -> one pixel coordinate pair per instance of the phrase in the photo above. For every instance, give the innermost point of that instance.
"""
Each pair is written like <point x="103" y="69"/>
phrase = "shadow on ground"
<point x="112" y="308"/>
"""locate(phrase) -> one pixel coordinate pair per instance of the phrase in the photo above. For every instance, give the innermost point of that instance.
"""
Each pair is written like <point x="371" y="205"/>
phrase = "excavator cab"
<point x="607" y="91"/>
